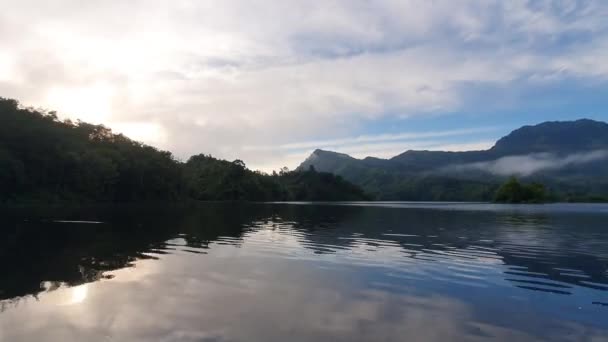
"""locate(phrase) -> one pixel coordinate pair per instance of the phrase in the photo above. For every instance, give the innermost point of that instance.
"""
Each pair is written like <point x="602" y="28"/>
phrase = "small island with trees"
<point x="513" y="191"/>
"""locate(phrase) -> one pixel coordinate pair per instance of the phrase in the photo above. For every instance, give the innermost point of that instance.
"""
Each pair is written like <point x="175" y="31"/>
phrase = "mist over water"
<point x="307" y="271"/>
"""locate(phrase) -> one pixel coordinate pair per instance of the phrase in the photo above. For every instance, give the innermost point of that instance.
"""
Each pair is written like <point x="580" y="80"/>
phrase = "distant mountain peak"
<point x="324" y="160"/>
<point x="555" y="136"/>
<point x="550" y="136"/>
<point x="567" y="140"/>
<point x="321" y="152"/>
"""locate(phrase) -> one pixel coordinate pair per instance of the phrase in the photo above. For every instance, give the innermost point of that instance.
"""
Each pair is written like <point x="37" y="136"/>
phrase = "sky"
<point x="269" y="81"/>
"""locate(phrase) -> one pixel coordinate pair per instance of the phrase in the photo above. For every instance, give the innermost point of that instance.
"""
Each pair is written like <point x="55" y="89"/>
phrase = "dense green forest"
<point x="512" y="191"/>
<point x="44" y="159"/>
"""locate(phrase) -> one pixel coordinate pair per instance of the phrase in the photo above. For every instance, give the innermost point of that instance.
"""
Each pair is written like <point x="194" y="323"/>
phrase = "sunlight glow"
<point x="6" y="67"/>
<point x="79" y="294"/>
<point x="91" y="104"/>
<point x="146" y="132"/>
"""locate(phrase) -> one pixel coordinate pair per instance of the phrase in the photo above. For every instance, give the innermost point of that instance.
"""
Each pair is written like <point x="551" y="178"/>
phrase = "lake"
<point x="305" y="272"/>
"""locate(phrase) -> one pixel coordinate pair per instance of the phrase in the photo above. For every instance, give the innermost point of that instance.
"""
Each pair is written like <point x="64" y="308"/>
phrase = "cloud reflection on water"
<point x="273" y="273"/>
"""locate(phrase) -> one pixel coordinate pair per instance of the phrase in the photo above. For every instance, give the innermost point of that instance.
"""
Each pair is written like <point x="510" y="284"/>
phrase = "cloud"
<point x="373" y="139"/>
<point x="527" y="165"/>
<point x="221" y="76"/>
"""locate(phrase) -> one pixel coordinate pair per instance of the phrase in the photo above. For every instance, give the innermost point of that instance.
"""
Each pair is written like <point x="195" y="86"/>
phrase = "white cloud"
<point x="222" y="76"/>
<point x="334" y="143"/>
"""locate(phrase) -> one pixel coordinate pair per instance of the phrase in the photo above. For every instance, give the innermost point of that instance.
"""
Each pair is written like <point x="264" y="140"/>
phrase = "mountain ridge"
<point x="495" y="147"/>
<point x="571" y="156"/>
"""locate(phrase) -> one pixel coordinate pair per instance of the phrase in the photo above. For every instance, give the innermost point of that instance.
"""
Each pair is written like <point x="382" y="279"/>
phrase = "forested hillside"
<point x="44" y="159"/>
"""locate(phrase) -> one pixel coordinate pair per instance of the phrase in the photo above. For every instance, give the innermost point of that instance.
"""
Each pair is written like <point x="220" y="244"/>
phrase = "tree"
<point x="239" y="163"/>
<point x="512" y="191"/>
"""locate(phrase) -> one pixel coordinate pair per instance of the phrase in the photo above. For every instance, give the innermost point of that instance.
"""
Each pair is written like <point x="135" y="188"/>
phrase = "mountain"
<point x="556" y="136"/>
<point x="571" y="157"/>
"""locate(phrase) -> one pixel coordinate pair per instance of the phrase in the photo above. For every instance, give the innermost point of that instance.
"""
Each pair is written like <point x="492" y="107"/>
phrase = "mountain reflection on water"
<point x="273" y="272"/>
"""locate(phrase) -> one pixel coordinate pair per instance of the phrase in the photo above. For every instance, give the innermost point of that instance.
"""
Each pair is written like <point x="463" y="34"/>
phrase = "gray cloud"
<point x="526" y="165"/>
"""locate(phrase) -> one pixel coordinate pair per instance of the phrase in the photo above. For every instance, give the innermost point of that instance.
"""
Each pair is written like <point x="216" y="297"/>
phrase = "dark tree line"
<point x="45" y="159"/>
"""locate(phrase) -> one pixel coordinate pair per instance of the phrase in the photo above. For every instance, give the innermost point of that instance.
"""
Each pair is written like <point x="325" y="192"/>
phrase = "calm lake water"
<point x="305" y="272"/>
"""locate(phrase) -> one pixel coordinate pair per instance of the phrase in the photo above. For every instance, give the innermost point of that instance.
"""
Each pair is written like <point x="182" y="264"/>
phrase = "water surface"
<point x="305" y="271"/>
